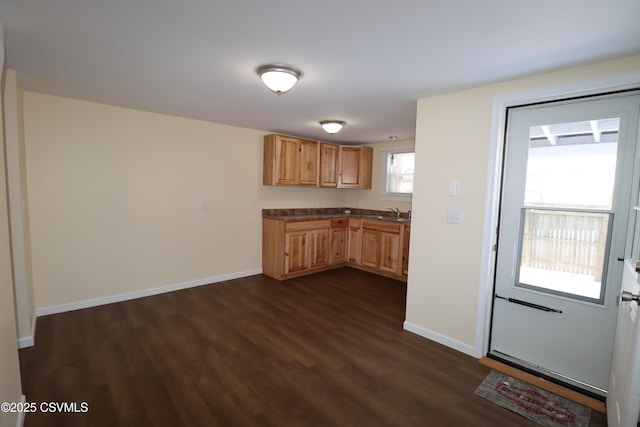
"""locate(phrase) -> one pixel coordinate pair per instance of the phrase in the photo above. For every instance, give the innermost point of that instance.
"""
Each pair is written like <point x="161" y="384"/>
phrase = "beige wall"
<point x="10" y="388"/>
<point x="452" y="142"/>
<point x="370" y="199"/>
<point x="115" y="199"/>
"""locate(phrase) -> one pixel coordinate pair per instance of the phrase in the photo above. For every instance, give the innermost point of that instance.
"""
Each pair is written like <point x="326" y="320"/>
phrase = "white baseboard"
<point x="441" y="339"/>
<point x="53" y="309"/>
<point x="29" y="341"/>
<point x="21" y="414"/>
<point x="25" y="342"/>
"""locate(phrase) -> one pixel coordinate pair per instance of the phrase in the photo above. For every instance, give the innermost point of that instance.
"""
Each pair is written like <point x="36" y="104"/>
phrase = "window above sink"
<point x="396" y="174"/>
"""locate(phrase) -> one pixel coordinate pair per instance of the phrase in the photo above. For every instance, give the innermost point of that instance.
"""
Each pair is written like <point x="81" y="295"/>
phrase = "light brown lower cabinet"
<point x="405" y="250"/>
<point x="306" y="246"/>
<point x="296" y="252"/>
<point x="306" y="250"/>
<point x="381" y="246"/>
<point x="354" y="241"/>
<point x="338" y="236"/>
<point x="318" y="248"/>
<point x="291" y="249"/>
<point x="370" y="244"/>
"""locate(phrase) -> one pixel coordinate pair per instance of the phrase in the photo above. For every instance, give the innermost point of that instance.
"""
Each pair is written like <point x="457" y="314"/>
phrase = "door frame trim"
<point x="499" y="106"/>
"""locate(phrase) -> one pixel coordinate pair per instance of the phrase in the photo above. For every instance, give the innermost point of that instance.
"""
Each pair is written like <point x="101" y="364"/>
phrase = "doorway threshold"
<point x="544" y="384"/>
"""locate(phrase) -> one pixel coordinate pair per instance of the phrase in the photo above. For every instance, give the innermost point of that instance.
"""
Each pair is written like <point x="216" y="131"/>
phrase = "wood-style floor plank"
<point x="320" y="350"/>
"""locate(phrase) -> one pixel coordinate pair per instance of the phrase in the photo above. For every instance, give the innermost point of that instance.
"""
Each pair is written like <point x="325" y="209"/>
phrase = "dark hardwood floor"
<point x="322" y="350"/>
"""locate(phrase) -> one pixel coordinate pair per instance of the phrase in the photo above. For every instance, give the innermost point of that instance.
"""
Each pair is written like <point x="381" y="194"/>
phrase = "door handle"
<point x="530" y="304"/>
<point x="626" y="296"/>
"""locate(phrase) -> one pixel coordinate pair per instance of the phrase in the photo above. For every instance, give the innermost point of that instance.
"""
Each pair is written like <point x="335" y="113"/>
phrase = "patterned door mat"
<point x="538" y="405"/>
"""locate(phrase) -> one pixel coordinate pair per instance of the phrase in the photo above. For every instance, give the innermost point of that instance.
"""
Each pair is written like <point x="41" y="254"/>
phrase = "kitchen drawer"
<point x="339" y="223"/>
<point x="382" y="226"/>
<point x="307" y="225"/>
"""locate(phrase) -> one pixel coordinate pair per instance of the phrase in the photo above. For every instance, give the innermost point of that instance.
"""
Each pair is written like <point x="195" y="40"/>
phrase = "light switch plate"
<point x="452" y="190"/>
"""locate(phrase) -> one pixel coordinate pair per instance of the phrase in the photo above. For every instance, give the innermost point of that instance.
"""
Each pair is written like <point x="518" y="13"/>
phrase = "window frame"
<point x="384" y="155"/>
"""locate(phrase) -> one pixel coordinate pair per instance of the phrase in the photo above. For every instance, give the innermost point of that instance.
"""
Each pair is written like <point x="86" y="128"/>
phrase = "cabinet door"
<point x="309" y="163"/>
<point x="328" y="165"/>
<point x="389" y="252"/>
<point x="338" y="246"/>
<point x="355" y="167"/>
<point x="405" y="251"/>
<point x="370" y="242"/>
<point x="355" y="244"/>
<point x="366" y="167"/>
<point x="319" y="248"/>
<point x="296" y="252"/>
<point x="288" y="155"/>
<point x="349" y="167"/>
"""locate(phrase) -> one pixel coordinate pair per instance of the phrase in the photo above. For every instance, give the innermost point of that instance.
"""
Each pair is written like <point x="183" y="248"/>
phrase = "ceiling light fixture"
<point x="278" y="77"/>
<point x="332" y="126"/>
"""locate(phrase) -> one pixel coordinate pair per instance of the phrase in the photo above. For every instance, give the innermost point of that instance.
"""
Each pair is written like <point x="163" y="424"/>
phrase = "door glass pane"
<point x="564" y="252"/>
<point x="568" y="199"/>
<point x="572" y="165"/>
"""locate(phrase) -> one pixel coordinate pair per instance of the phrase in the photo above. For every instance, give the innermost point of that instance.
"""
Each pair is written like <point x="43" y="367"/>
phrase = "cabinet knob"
<point x="286" y="254"/>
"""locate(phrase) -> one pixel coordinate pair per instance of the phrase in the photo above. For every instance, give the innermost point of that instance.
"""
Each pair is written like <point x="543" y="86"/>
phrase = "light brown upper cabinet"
<point x="290" y="161"/>
<point x="328" y="165"/>
<point x="355" y="166"/>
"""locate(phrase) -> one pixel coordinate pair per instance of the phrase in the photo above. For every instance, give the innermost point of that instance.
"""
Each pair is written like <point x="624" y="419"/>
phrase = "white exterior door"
<point x="566" y="196"/>
<point x="623" y="399"/>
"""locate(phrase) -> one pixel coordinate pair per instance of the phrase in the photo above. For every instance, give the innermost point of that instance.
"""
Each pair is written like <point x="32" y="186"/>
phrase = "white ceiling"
<point x="364" y="61"/>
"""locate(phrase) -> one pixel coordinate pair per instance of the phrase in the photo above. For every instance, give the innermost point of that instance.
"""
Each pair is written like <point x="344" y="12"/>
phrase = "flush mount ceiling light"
<point x="278" y="77"/>
<point x="332" y="126"/>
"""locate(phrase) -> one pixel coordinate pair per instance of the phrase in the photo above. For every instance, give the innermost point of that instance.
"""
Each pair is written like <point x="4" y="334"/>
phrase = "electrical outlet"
<point x="454" y="217"/>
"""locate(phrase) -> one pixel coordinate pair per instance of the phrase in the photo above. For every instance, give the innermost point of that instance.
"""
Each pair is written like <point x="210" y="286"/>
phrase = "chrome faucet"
<point x="409" y="212"/>
<point x="396" y="210"/>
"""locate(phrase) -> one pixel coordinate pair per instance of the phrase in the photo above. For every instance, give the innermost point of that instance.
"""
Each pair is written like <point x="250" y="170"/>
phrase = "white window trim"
<point x="384" y="195"/>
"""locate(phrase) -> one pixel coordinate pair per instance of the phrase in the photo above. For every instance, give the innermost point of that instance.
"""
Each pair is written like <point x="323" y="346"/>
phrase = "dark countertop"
<point x="313" y="214"/>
